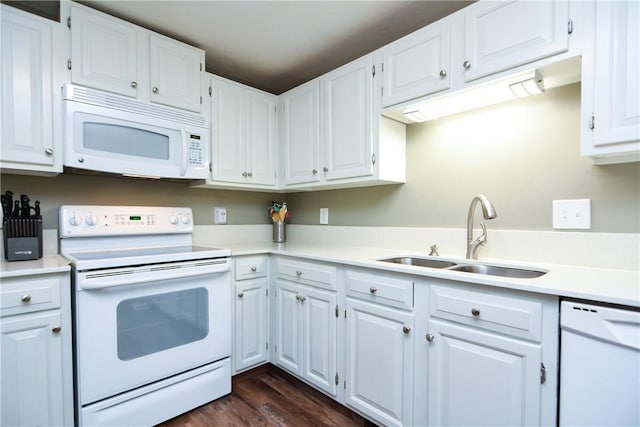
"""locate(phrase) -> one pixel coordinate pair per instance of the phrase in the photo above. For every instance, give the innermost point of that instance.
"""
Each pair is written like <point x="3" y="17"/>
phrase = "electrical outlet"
<point x="324" y="215"/>
<point x="219" y="215"/>
<point x="572" y="214"/>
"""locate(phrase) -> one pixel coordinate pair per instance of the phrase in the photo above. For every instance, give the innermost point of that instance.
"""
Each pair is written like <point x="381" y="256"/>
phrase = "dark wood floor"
<point x="268" y="396"/>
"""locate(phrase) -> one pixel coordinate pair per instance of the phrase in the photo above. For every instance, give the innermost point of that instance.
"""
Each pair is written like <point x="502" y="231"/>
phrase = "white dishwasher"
<point x="599" y="365"/>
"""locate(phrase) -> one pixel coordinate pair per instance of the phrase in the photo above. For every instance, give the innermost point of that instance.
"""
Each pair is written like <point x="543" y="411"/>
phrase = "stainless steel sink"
<point x="420" y="262"/>
<point x="494" y="270"/>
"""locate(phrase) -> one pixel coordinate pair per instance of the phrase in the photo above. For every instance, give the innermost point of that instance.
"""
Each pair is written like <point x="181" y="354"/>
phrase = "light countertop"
<point x="597" y="284"/>
<point x="45" y="265"/>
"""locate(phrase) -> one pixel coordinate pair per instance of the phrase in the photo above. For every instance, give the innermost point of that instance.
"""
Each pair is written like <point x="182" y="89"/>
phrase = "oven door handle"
<point x="123" y="277"/>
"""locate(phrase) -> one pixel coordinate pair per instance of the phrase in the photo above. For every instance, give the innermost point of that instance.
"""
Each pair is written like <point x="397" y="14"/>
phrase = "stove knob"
<point x="185" y="220"/>
<point x="92" y="220"/>
<point x="173" y="219"/>
<point x="75" y="220"/>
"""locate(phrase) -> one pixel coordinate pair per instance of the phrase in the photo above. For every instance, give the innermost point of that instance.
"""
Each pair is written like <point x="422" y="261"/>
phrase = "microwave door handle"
<point x="185" y="153"/>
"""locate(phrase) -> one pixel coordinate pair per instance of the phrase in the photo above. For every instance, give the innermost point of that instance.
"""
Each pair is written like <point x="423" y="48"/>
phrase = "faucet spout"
<point x="488" y="212"/>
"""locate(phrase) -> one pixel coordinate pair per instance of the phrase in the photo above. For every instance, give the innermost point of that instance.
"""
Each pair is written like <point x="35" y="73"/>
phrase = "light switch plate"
<point x="572" y="214"/>
<point x="324" y="215"/>
<point x="219" y="215"/>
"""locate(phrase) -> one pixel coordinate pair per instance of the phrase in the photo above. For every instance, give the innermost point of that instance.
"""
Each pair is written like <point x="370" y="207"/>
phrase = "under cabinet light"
<point x="532" y="85"/>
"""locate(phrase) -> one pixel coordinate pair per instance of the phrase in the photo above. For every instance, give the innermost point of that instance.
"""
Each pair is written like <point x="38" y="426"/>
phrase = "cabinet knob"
<point x="475" y="312"/>
<point x="430" y="337"/>
<point x="241" y="294"/>
<point x="406" y="330"/>
<point x="301" y="298"/>
<point x="56" y="330"/>
<point x="466" y="64"/>
<point x="134" y="84"/>
<point x="250" y="174"/>
<point x="314" y="171"/>
<point x="154" y="90"/>
<point x="48" y="151"/>
<point x="325" y="169"/>
<point x="443" y="73"/>
<point x="298" y="273"/>
<point x="254" y="269"/>
<point x="26" y="298"/>
<point x="244" y="174"/>
<point x="373" y="290"/>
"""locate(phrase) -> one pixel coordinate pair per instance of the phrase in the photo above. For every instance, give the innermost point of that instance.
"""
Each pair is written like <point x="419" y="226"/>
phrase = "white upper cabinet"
<point x="28" y="144"/>
<point x="104" y="52"/>
<point x="243" y="134"/>
<point x="418" y="64"/>
<point x="347" y="120"/>
<point x="611" y="85"/>
<point x="503" y="35"/>
<point x="113" y="55"/>
<point x="301" y="133"/>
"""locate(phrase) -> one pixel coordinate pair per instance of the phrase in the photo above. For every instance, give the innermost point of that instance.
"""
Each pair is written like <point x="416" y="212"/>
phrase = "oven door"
<point x="144" y="329"/>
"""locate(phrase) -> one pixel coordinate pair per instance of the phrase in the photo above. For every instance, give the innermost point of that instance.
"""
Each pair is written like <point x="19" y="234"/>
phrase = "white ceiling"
<point x="277" y="45"/>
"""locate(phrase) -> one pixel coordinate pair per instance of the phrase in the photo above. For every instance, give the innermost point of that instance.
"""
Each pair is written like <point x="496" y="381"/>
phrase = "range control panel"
<point x="92" y="220"/>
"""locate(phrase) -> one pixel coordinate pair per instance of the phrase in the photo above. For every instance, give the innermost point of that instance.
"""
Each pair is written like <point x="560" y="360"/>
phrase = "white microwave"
<point x="111" y="133"/>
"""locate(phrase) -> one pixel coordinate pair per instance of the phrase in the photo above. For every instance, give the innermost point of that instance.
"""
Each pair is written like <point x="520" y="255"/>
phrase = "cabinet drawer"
<point x="381" y="288"/>
<point x="319" y="275"/>
<point x="518" y="317"/>
<point x="250" y="267"/>
<point x="21" y="295"/>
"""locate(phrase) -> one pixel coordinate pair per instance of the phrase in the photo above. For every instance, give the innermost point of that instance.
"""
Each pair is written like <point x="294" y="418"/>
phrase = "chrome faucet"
<point x="488" y="212"/>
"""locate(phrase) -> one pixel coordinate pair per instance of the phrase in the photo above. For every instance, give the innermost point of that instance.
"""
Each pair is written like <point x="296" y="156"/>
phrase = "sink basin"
<point x="494" y="270"/>
<point x="420" y="262"/>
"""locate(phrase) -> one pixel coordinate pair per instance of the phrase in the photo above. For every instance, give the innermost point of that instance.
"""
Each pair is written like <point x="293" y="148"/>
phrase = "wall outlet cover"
<point x="219" y="215"/>
<point x="324" y="215"/>
<point x="572" y="214"/>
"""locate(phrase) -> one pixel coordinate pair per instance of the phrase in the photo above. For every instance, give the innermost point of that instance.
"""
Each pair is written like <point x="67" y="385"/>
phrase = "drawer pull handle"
<point x="298" y="273"/>
<point x="373" y="290"/>
<point x="254" y="269"/>
<point x="430" y="337"/>
<point x="26" y="298"/>
<point x="406" y="330"/>
<point x="241" y="294"/>
<point x="56" y="330"/>
<point x="475" y="312"/>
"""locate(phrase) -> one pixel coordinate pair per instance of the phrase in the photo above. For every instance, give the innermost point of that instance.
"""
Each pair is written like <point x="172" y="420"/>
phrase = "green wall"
<point x="521" y="154"/>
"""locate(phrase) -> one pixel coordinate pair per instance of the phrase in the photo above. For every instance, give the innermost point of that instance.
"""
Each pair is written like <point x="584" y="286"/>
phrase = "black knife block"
<point x="22" y="238"/>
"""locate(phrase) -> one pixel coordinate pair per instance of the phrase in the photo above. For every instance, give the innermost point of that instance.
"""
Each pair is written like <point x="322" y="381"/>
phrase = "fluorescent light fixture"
<point x="520" y="85"/>
<point x="133" y="175"/>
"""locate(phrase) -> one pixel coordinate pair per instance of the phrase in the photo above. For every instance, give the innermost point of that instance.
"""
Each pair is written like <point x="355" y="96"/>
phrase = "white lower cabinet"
<point x="36" y="351"/>
<point x="251" y="314"/>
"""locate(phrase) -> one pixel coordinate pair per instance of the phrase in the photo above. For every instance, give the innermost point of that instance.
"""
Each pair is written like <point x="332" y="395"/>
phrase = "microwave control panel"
<point x="196" y="150"/>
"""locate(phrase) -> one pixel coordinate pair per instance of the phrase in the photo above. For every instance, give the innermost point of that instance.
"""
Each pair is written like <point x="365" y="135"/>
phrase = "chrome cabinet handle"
<point x="301" y="298"/>
<point x="430" y="337"/>
<point x="56" y="330"/>
<point x="48" y="151"/>
<point x="298" y="273"/>
<point x="154" y="90"/>
<point x="134" y="84"/>
<point x="244" y="174"/>
<point x="443" y="73"/>
<point x="241" y="294"/>
<point x="466" y="64"/>
<point x="254" y="269"/>
<point x="475" y="312"/>
<point x="250" y="174"/>
<point x="26" y="298"/>
<point x="373" y="290"/>
<point x="406" y="330"/>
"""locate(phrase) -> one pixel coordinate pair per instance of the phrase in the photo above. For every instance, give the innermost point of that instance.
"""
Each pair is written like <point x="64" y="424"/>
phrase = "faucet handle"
<point x="482" y="239"/>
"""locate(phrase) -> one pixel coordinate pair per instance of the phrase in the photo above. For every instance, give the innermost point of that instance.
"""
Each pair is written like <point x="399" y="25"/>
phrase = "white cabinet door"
<point x="347" y="120"/>
<point x="27" y="127"/>
<point x="617" y="73"/>
<point x="260" y="135"/>
<point x="175" y="73"/>
<point x="418" y="64"/>
<point x="379" y="356"/>
<point x="320" y="337"/>
<point x="480" y="378"/>
<point x="504" y="34"/>
<point x="250" y="323"/>
<point x="300" y="133"/>
<point x="289" y="328"/>
<point x="103" y="52"/>
<point x="32" y="370"/>
<point x="227" y="131"/>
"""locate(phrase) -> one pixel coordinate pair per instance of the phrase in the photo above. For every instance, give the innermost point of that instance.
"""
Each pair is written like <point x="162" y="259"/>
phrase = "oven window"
<point x="155" y="323"/>
<point x="125" y="140"/>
